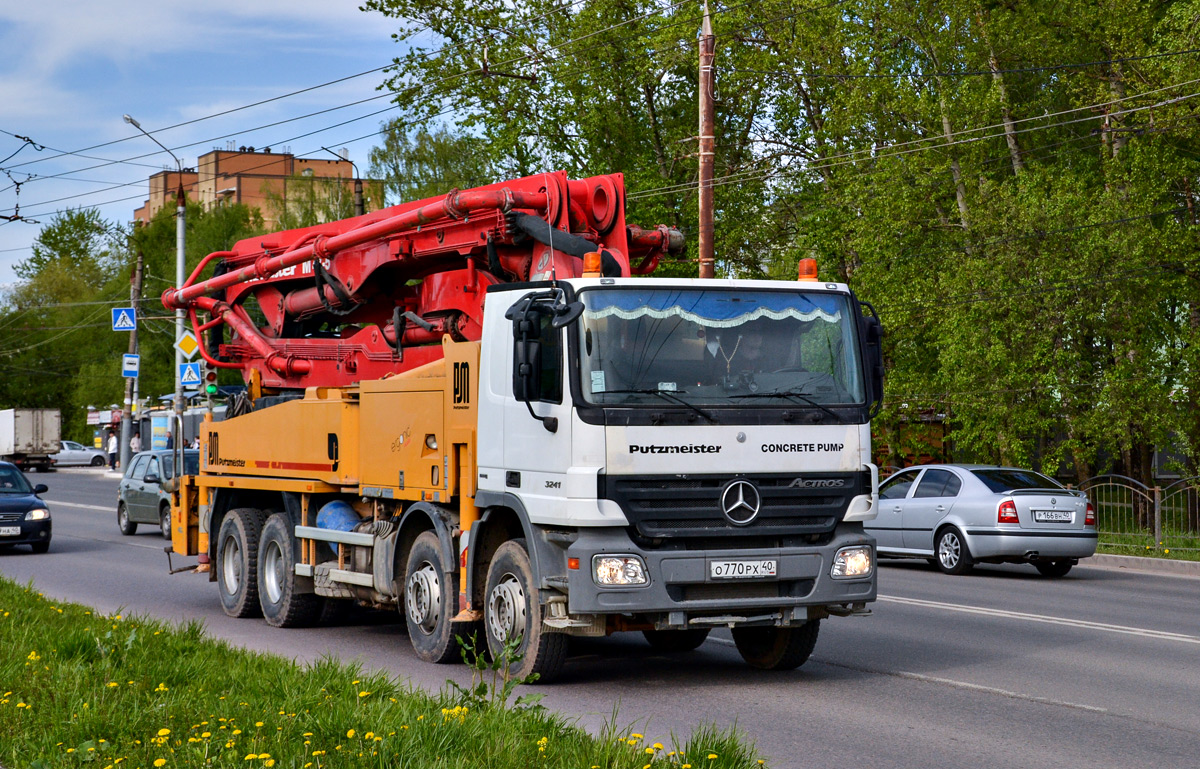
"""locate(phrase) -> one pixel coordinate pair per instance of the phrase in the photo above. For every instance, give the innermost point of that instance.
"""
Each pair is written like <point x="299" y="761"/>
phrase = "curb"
<point x="1150" y="565"/>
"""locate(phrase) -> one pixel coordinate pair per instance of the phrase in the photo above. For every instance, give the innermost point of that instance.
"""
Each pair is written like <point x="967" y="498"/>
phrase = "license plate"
<point x="1053" y="516"/>
<point x="741" y="569"/>
<point x="10" y="531"/>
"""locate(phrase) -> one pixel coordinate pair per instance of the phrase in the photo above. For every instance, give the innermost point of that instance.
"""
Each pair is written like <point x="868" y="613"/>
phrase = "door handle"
<point x="940" y="508"/>
<point x="896" y="509"/>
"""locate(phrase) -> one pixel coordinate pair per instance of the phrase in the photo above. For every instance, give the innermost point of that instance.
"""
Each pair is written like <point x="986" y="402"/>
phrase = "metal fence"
<point x="1131" y="514"/>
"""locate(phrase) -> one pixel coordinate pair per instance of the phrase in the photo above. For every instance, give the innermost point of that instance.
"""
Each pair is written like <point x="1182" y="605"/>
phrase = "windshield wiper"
<point x="671" y="396"/>
<point x="795" y="397"/>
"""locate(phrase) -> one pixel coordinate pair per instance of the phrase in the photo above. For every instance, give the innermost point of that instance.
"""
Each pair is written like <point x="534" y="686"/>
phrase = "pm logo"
<point x="462" y="383"/>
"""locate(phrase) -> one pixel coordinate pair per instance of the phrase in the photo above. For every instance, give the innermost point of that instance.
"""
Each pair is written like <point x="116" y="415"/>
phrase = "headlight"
<point x="851" y="562"/>
<point x="37" y="514"/>
<point x="619" y="570"/>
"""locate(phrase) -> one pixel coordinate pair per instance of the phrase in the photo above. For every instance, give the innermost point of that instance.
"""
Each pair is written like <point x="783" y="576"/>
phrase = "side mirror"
<point x="566" y="314"/>
<point x="41" y="488"/>
<point x="874" y="353"/>
<point x="152" y="478"/>
<point x="527" y="362"/>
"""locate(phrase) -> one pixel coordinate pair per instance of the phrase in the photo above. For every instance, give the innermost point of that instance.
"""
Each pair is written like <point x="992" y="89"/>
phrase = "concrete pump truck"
<point x="470" y="409"/>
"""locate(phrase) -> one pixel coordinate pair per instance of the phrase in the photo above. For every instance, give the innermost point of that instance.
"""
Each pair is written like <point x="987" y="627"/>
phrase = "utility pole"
<point x="180" y="264"/>
<point x="135" y="296"/>
<point x="708" y="47"/>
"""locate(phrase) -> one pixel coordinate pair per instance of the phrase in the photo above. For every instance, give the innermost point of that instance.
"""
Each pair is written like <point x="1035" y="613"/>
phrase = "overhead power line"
<point x="960" y="73"/>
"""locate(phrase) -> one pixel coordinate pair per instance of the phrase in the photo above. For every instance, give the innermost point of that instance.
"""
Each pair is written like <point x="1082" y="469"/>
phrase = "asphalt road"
<point x="998" y="668"/>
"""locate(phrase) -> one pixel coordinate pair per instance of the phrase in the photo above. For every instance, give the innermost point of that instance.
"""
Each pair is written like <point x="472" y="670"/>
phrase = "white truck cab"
<point x="689" y="453"/>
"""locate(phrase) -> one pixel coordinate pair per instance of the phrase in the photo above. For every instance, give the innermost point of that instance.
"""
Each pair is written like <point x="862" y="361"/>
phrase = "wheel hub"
<point x="949" y="551"/>
<point x="423" y="598"/>
<point x="506" y="609"/>
<point x="273" y="572"/>
<point x="231" y="566"/>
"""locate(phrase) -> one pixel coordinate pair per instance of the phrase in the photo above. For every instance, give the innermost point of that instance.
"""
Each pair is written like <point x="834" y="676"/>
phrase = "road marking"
<point x="945" y="682"/>
<point x="1162" y="635"/>
<point x="76" y="504"/>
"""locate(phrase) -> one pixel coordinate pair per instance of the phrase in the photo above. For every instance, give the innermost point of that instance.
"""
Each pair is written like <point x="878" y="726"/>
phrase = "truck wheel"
<point x="776" y="648"/>
<point x="281" y="605"/>
<point x="430" y="601"/>
<point x="127" y="527"/>
<point x="237" y="562"/>
<point x="511" y="610"/>
<point x="164" y="520"/>
<point x="675" y="640"/>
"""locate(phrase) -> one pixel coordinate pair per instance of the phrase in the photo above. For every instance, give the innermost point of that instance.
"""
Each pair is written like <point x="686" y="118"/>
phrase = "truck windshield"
<point x="713" y="347"/>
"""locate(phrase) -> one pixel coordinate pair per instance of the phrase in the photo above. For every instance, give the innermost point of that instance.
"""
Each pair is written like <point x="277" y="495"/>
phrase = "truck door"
<point x="536" y="459"/>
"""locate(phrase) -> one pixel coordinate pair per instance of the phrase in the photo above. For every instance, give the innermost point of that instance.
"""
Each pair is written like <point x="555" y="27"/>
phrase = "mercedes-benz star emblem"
<point x="740" y="502"/>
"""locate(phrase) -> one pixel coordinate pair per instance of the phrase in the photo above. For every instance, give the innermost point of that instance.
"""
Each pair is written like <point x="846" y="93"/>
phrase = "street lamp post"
<point x="359" y="207"/>
<point x="180" y="265"/>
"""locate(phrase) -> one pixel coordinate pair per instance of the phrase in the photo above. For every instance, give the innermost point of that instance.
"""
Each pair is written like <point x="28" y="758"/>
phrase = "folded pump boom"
<point x="366" y="297"/>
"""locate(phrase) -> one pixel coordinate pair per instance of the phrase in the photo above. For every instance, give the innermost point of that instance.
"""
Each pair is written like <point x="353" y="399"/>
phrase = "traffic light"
<point x="210" y="379"/>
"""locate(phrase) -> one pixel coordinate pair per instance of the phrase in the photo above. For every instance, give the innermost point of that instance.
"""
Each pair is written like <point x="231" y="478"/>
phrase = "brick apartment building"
<point x="244" y="175"/>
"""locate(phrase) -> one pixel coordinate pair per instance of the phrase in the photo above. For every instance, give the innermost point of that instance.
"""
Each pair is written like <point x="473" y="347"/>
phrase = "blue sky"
<point x="69" y="70"/>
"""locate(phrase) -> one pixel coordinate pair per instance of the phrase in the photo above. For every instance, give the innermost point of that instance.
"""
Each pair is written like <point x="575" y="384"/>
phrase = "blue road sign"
<point x="124" y="319"/>
<point x="189" y="373"/>
<point x="130" y="365"/>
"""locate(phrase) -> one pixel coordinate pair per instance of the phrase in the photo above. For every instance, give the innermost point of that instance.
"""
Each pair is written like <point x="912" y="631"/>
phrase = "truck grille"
<point x="683" y="506"/>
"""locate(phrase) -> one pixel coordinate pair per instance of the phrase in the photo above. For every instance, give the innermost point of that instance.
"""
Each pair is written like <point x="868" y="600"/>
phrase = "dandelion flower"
<point x="160" y="761"/>
<point x="163" y="732"/>
<point x="711" y="756"/>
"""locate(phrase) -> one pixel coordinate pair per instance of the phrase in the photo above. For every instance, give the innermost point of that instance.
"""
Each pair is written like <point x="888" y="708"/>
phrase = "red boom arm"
<point x="365" y="297"/>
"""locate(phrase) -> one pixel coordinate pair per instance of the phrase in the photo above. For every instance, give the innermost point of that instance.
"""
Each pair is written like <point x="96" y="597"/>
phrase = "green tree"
<point x="418" y="164"/>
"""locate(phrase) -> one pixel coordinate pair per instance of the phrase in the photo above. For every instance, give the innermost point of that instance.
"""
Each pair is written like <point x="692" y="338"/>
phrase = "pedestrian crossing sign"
<point x="189" y="373"/>
<point x="124" y="319"/>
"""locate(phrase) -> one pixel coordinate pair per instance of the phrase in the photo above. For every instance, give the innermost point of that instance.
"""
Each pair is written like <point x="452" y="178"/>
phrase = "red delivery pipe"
<point x="456" y="205"/>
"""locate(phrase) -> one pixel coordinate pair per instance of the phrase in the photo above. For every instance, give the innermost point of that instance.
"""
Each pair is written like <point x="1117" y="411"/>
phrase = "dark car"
<point x="140" y="496"/>
<point x="24" y="516"/>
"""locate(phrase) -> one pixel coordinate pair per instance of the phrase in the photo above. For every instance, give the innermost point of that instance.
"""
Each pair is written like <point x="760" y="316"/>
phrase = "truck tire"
<point x="675" y="640"/>
<point x="430" y="601"/>
<point x="127" y="527"/>
<point x="511" y="608"/>
<point x="776" y="648"/>
<point x="281" y="605"/>
<point x="237" y="562"/>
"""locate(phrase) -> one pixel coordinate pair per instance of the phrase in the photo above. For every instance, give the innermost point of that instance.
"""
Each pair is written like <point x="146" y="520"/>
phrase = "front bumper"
<point x="992" y="543"/>
<point x="31" y="532"/>
<point x="680" y="586"/>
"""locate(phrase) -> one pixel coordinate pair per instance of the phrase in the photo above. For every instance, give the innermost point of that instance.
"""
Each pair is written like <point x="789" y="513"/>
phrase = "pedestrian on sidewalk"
<point x="135" y="444"/>
<point x="112" y="450"/>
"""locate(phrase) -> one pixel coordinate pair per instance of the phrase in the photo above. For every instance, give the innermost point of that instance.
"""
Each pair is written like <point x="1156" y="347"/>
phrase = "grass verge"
<point x="82" y="689"/>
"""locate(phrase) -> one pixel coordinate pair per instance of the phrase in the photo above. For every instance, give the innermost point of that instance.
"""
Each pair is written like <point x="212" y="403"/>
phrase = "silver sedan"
<point x="960" y="515"/>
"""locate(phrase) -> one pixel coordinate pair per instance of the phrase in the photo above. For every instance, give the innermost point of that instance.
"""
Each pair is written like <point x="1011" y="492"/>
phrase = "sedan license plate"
<point x="741" y="569"/>
<point x="1053" y="516"/>
<point x="10" y="531"/>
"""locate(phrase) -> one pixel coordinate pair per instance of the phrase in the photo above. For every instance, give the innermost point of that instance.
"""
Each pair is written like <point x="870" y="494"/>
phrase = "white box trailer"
<point x="30" y="437"/>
